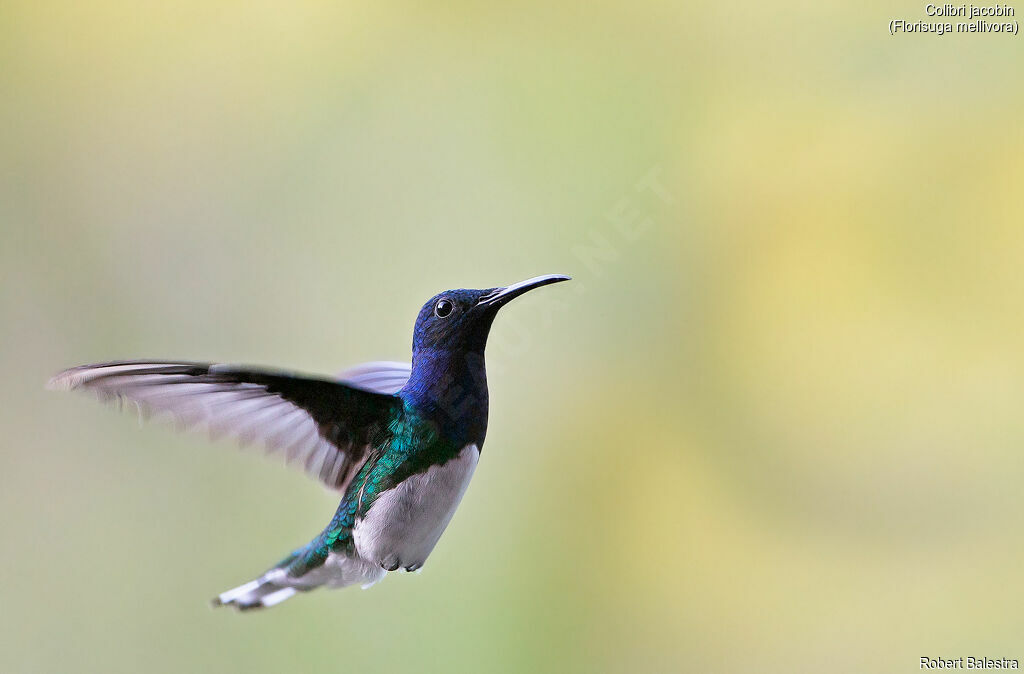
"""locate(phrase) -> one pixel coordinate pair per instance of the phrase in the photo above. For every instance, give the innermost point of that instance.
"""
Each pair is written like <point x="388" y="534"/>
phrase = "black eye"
<point x="443" y="308"/>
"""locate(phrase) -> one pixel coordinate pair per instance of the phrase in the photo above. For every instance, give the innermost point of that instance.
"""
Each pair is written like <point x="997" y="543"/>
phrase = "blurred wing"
<point x="324" y="426"/>
<point x="381" y="376"/>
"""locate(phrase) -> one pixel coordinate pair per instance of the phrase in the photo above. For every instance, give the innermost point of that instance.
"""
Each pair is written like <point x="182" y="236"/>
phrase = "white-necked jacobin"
<point x="399" y="442"/>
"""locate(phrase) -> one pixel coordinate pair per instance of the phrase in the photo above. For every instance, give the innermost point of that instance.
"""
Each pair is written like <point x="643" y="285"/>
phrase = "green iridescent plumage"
<point x="412" y="445"/>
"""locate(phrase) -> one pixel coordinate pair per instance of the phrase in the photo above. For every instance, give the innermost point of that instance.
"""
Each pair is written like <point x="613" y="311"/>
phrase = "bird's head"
<point x="459" y="320"/>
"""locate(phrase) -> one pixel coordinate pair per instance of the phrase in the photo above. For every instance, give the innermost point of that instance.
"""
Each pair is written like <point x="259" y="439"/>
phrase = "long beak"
<point x="500" y="296"/>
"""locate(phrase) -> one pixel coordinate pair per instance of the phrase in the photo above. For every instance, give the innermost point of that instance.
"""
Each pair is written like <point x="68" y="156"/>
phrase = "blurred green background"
<point x="773" y="425"/>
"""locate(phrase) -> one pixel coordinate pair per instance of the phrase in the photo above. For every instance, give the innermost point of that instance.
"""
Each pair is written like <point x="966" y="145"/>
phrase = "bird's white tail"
<point x="276" y="585"/>
<point x="268" y="590"/>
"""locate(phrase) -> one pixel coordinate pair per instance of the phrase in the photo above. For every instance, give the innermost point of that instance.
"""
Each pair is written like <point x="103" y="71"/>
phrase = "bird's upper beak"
<point x="501" y="296"/>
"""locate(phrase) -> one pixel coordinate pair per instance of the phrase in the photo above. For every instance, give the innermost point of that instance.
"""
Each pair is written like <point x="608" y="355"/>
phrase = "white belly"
<point x="404" y="523"/>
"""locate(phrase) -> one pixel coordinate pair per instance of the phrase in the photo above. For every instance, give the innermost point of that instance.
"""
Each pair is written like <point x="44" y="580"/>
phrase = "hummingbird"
<point x="399" y="442"/>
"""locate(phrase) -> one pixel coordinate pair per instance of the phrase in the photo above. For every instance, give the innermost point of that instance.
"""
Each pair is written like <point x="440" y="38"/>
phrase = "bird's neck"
<point x="452" y="388"/>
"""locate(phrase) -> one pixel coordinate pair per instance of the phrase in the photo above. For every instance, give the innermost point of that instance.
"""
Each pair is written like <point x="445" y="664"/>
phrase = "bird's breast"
<point x="404" y="523"/>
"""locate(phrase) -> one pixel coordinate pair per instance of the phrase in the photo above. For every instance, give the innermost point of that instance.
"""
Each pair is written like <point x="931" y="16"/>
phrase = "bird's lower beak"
<point x="501" y="296"/>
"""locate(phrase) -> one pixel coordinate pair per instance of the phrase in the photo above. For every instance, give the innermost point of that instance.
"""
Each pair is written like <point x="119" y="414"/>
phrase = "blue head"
<point x="458" y="321"/>
<point x="448" y="344"/>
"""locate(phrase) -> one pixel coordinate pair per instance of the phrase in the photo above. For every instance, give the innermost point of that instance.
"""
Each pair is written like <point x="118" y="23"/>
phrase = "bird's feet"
<point x="392" y="563"/>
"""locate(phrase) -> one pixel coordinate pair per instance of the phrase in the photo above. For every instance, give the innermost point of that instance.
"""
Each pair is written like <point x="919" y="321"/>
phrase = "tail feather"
<point x="305" y="569"/>
<point x="268" y="590"/>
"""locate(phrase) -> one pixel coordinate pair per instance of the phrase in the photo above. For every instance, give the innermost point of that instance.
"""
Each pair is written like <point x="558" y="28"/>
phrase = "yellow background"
<point x="773" y="425"/>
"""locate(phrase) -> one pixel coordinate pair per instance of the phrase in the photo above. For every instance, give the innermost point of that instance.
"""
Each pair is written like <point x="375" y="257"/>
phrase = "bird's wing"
<point x="380" y="376"/>
<point x="324" y="426"/>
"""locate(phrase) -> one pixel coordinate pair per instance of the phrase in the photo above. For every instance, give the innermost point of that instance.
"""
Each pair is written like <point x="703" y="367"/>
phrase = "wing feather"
<point x="326" y="427"/>
<point x="381" y="376"/>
